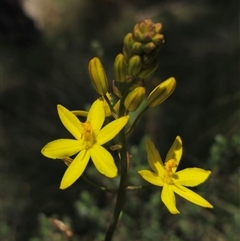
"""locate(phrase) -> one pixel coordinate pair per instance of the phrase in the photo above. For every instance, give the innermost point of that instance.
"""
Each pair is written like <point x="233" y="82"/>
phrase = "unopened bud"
<point x="158" y="39"/>
<point x="134" y="99"/>
<point x="98" y="76"/>
<point x="137" y="48"/>
<point x="161" y="92"/>
<point x="127" y="45"/>
<point x="120" y="68"/>
<point x="158" y="27"/>
<point x="134" y="65"/>
<point x="138" y="36"/>
<point x="149" y="47"/>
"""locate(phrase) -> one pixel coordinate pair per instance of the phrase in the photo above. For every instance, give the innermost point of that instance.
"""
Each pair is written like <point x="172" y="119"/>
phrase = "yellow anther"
<point x="88" y="135"/>
<point x="169" y="165"/>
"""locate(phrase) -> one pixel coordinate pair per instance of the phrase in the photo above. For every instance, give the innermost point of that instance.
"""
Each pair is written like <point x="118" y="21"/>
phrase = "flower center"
<point x="88" y="135"/>
<point x="168" y="167"/>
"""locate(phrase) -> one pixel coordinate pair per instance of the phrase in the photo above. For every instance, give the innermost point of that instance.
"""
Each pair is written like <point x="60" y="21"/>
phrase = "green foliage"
<point x="48" y="231"/>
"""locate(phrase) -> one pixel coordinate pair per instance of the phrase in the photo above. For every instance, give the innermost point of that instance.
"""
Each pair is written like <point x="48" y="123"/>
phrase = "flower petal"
<point x="96" y="116"/>
<point x="151" y="177"/>
<point x="154" y="159"/>
<point x="75" y="169"/>
<point x="175" y="152"/>
<point x="191" y="196"/>
<point x="62" y="148"/>
<point x="103" y="161"/>
<point x="168" y="198"/>
<point x="109" y="131"/>
<point x="70" y="121"/>
<point x="191" y="177"/>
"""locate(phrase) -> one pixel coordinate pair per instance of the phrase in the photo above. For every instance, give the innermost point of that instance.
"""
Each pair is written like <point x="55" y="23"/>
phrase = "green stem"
<point x="123" y="175"/>
<point x="121" y="190"/>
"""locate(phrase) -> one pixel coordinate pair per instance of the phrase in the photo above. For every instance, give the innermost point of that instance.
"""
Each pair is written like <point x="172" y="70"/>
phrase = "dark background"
<point x="45" y="50"/>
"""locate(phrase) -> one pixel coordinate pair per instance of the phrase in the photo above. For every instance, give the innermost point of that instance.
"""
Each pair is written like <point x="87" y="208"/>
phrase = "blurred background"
<point x="45" y="50"/>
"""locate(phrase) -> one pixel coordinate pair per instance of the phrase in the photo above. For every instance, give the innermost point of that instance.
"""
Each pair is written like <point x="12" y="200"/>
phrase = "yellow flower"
<point x="89" y="140"/>
<point x="172" y="181"/>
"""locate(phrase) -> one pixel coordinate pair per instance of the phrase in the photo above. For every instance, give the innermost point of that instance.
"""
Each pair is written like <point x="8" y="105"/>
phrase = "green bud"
<point x="137" y="48"/>
<point x="138" y="36"/>
<point x="120" y="68"/>
<point x="144" y="73"/>
<point x="161" y="92"/>
<point x="149" y="47"/>
<point x="158" y="27"/>
<point x="146" y="25"/>
<point x="127" y="45"/>
<point x="134" y="65"/>
<point x="146" y="31"/>
<point x="158" y="39"/>
<point x="98" y="76"/>
<point x="135" y="98"/>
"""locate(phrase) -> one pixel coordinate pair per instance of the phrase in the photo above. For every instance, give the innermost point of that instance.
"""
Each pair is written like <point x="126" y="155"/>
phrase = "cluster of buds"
<point x="140" y="49"/>
<point x="131" y="67"/>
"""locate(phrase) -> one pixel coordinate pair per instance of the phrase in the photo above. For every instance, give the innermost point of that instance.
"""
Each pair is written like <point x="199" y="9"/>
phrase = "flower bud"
<point x="120" y="68"/>
<point x="158" y="39"/>
<point x="137" y="48"/>
<point x="137" y="35"/>
<point x="134" y="99"/>
<point x="158" y="27"/>
<point x="149" y="47"/>
<point x="161" y="92"/>
<point x="134" y="65"/>
<point x="98" y="76"/>
<point x="127" y="45"/>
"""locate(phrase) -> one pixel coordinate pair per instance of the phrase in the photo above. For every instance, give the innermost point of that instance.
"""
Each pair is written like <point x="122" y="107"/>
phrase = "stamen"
<point x="170" y="164"/>
<point x="88" y="135"/>
<point x="168" y="167"/>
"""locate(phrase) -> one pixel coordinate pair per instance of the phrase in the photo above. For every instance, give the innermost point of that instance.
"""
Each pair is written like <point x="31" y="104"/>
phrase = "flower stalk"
<point x="121" y="194"/>
<point x="106" y="128"/>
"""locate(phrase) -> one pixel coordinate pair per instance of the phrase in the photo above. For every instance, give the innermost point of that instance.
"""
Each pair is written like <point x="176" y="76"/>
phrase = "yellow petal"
<point x="151" y="177"/>
<point x="154" y="159"/>
<point x="169" y="199"/>
<point x="103" y="161"/>
<point x="191" y="177"/>
<point x="109" y="131"/>
<point x="175" y="152"/>
<point x="62" y="148"/>
<point x="70" y="121"/>
<point x="75" y="169"/>
<point x="96" y="116"/>
<point x="191" y="196"/>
